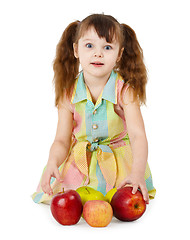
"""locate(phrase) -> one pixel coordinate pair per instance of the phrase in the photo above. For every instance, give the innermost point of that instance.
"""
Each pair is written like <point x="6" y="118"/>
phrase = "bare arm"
<point x="139" y="144"/>
<point x="60" y="147"/>
<point x="61" y="144"/>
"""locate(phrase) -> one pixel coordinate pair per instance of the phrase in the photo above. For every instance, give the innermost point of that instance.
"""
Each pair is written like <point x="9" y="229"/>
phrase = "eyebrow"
<point x="87" y="39"/>
<point x="91" y="40"/>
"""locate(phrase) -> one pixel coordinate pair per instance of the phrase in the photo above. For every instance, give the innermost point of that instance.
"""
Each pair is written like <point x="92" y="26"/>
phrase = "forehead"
<point x="91" y="34"/>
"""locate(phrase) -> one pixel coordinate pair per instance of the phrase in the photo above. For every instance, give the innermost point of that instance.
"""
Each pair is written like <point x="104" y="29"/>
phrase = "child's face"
<point x="97" y="57"/>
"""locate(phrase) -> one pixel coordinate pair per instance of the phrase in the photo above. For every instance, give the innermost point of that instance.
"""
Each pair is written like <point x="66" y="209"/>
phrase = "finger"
<point x="145" y="194"/>
<point x="123" y="183"/>
<point x="47" y="189"/>
<point x="135" y="188"/>
<point x="46" y="186"/>
<point x="57" y="175"/>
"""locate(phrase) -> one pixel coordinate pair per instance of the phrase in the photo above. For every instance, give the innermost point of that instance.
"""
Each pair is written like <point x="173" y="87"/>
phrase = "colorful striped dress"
<point x="100" y="154"/>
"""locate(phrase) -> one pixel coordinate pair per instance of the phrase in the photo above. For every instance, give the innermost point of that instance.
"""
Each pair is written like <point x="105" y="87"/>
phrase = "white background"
<point x="29" y="33"/>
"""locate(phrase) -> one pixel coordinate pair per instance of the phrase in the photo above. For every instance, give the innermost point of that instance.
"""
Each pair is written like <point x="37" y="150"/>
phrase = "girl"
<point x="100" y="140"/>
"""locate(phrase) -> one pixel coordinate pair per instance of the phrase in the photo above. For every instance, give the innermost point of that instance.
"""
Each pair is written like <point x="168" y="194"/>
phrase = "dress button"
<point x="94" y="112"/>
<point x="94" y="126"/>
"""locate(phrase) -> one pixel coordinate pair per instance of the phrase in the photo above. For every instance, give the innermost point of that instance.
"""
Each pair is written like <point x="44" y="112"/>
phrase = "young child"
<point x="100" y="140"/>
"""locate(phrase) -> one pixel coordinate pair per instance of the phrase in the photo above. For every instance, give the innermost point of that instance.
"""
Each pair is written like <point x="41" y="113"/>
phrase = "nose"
<point x="98" y="53"/>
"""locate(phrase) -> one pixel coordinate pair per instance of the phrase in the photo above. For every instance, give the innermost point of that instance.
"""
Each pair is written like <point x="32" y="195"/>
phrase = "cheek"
<point x="83" y="59"/>
<point x="111" y="60"/>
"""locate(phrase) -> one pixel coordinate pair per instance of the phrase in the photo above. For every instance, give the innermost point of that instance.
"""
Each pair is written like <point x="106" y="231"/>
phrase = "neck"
<point x="95" y="82"/>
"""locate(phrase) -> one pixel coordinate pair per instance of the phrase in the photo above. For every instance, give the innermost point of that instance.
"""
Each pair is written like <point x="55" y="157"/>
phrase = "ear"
<point x="75" y="48"/>
<point x="120" y="54"/>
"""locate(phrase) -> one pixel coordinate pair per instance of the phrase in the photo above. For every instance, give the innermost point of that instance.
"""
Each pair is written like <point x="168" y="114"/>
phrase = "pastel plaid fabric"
<point x="100" y="154"/>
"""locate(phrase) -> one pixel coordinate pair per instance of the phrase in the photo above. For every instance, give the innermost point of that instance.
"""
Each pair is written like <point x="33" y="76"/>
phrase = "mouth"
<point x="97" y="64"/>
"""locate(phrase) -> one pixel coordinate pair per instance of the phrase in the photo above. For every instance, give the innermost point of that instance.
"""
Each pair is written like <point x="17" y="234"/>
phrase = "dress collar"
<point x="109" y="92"/>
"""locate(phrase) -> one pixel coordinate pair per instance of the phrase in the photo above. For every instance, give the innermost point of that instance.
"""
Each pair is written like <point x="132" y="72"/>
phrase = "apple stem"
<point x="63" y="190"/>
<point x="87" y="190"/>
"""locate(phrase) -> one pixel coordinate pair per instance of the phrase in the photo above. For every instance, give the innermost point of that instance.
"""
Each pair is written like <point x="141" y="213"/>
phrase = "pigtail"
<point x="131" y="65"/>
<point x="65" y="65"/>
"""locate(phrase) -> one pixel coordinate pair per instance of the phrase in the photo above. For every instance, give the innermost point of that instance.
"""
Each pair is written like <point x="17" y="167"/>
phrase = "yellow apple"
<point x="97" y="213"/>
<point x="88" y="193"/>
<point x="110" y="194"/>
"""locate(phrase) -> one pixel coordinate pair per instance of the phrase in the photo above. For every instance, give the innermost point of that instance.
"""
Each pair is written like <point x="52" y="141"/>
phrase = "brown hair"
<point x="131" y="65"/>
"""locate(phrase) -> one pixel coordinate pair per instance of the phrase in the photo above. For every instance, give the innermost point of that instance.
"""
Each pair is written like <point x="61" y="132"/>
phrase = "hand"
<point x="136" y="182"/>
<point x="51" y="171"/>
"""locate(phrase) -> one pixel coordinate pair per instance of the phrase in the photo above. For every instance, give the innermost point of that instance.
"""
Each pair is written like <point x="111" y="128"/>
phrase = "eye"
<point x="108" y="47"/>
<point x="89" y="45"/>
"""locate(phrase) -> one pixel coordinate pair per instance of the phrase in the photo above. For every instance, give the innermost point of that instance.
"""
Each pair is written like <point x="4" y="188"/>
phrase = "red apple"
<point x="66" y="207"/>
<point x="127" y="206"/>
